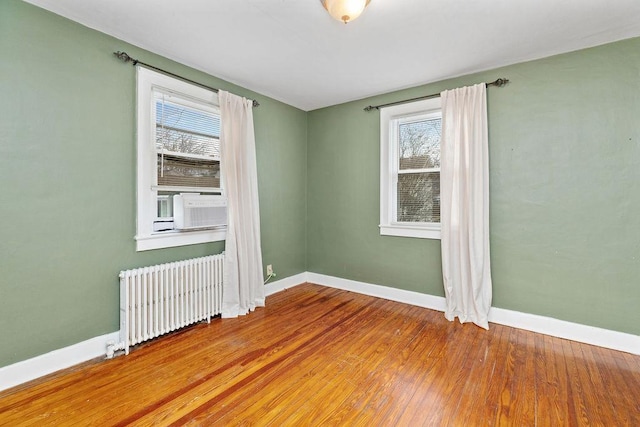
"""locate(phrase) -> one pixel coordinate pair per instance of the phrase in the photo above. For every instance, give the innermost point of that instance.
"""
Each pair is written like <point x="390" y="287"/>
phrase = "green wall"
<point x="67" y="167"/>
<point x="565" y="190"/>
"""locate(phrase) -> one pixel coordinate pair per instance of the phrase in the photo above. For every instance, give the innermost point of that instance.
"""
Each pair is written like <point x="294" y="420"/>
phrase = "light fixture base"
<point x="345" y="10"/>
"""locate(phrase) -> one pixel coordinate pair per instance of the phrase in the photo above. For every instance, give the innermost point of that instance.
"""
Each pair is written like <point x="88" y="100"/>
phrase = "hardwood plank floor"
<point x="321" y="356"/>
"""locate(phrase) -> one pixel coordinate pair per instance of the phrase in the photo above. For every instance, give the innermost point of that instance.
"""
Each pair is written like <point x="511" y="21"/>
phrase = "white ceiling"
<point x="293" y="51"/>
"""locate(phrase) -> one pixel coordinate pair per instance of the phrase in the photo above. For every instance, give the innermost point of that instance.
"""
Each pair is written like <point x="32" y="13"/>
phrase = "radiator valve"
<point x="111" y="349"/>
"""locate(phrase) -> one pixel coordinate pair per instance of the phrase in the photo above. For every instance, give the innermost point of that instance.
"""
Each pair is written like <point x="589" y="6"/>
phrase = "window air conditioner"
<point x="192" y="211"/>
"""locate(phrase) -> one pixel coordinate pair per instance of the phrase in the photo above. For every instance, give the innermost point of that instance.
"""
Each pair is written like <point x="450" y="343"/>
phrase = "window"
<point x="178" y="152"/>
<point x="410" y="169"/>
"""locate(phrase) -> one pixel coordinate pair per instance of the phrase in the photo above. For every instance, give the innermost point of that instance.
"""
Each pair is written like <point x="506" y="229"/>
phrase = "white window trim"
<point x="146" y="238"/>
<point x="388" y="171"/>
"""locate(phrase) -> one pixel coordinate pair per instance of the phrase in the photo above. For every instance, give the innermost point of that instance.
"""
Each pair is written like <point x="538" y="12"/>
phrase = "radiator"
<point x="162" y="298"/>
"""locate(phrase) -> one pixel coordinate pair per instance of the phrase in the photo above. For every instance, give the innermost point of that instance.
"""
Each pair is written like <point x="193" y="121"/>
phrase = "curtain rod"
<point x="499" y="83"/>
<point x="126" y="58"/>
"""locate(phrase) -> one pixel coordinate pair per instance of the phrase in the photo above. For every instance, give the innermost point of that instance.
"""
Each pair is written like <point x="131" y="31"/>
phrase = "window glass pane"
<point x="418" y="197"/>
<point x="186" y="130"/>
<point x="188" y="172"/>
<point x="165" y="206"/>
<point x="419" y="144"/>
<point x="164" y="215"/>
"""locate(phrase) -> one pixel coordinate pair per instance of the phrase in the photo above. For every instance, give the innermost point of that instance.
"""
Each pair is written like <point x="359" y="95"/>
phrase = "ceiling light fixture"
<point x="345" y="10"/>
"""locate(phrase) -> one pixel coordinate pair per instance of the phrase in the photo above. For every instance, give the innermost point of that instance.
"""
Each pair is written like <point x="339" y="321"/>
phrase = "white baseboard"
<point x="286" y="283"/>
<point x="531" y="322"/>
<point x="607" y="338"/>
<point x="47" y="363"/>
<point x="53" y="361"/>
<point x="393" y="294"/>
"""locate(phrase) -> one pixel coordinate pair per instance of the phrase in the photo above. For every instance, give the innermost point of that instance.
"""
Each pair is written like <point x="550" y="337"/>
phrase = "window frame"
<point x="390" y="118"/>
<point x="146" y="178"/>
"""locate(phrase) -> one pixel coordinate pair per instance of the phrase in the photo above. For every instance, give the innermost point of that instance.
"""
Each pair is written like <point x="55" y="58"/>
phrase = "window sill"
<point x="170" y="239"/>
<point x="420" y="232"/>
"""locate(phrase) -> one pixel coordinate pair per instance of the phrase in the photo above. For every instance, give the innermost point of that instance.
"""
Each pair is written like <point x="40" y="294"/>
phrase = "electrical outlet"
<point x="269" y="270"/>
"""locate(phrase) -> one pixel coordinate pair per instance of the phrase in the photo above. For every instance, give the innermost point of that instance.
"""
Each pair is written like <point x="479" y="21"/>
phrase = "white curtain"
<point x="464" y="187"/>
<point x="243" y="288"/>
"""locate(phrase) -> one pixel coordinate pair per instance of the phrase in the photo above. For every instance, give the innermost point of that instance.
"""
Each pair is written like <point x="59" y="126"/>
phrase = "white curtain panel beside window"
<point x="243" y="288"/>
<point x="464" y="186"/>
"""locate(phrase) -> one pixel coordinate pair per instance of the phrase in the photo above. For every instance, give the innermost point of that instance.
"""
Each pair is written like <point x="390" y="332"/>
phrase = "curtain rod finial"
<point x="123" y="56"/>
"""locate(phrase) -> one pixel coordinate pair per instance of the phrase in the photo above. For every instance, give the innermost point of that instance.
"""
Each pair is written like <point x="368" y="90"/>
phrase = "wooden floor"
<point x="320" y="356"/>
